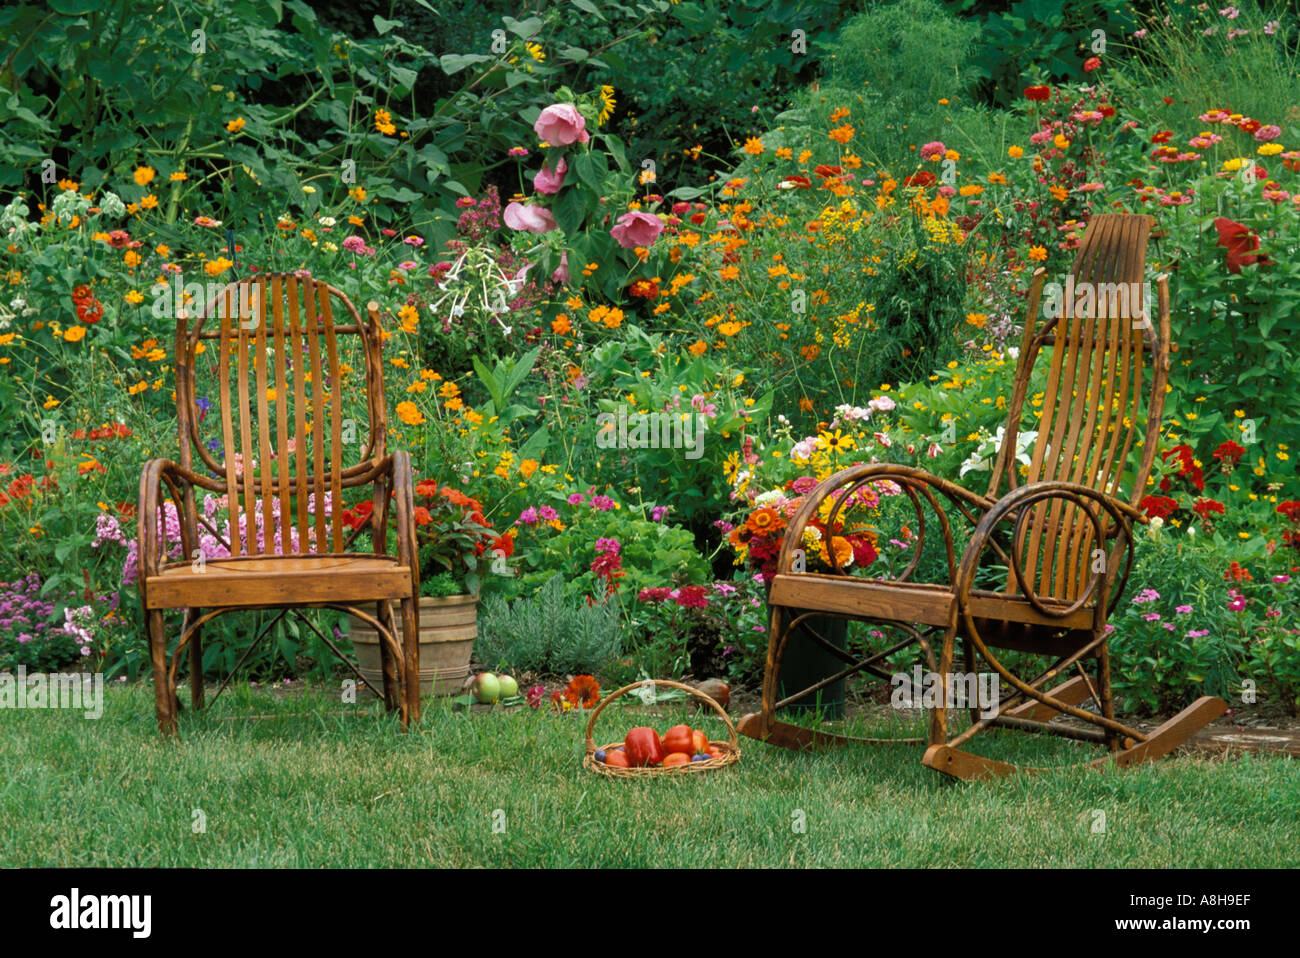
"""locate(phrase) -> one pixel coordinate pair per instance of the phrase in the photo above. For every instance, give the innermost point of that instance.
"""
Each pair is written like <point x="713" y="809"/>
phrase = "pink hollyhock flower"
<point x="636" y="229"/>
<point x="561" y="124"/>
<point x="547" y="181"/>
<point x="531" y="219"/>
<point x="561" y="274"/>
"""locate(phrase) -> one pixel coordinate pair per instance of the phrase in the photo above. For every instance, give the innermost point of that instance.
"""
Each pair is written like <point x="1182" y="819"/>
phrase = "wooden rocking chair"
<point x="1067" y="556"/>
<point x="280" y="330"/>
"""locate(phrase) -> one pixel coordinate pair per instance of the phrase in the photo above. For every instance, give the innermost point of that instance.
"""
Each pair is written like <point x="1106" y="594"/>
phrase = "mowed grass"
<point x="309" y="788"/>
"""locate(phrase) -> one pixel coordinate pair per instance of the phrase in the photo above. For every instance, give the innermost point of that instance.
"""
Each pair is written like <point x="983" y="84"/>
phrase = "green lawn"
<point x="310" y="788"/>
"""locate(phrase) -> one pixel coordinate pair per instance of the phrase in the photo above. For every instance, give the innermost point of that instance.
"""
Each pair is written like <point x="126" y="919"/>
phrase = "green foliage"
<point x="892" y="64"/>
<point x="547" y="632"/>
<point x="1047" y="38"/>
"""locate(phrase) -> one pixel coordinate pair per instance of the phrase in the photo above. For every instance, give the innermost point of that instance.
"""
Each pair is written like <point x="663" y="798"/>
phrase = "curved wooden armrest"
<point x="1016" y="506"/>
<point x="910" y="479"/>
<point x="155" y="474"/>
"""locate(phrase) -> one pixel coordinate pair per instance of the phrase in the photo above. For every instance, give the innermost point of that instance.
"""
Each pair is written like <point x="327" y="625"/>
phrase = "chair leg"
<point x="196" y="660"/>
<point x="939" y="715"/>
<point x="1114" y="742"/>
<point x="411" y="649"/>
<point x="164" y="693"/>
<point x="384" y="613"/>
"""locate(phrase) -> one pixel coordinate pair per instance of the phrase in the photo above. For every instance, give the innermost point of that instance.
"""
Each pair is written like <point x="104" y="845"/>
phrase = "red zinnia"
<point x="824" y="170"/>
<point x="1290" y="509"/>
<point x="692" y="596"/>
<point x="1157" y="507"/>
<point x="644" y="289"/>
<point x="923" y="178"/>
<point x="1040" y="93"/>
<point x="1229" y="452"/>
<point x="1203" y="507"/>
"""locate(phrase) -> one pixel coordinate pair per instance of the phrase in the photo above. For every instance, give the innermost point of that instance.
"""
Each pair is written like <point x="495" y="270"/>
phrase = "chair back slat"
<point x="246" y="510"/>
<point x="317" y="410"/>
<point x="297" y="338"/>
<point x="283" y="463"/>
<point x="336" y="425"/>
<point x="265" y="465"/>
<point x="227" y="426"/>
<point x="1092" y="403"/>
<point x="285" y="372"/>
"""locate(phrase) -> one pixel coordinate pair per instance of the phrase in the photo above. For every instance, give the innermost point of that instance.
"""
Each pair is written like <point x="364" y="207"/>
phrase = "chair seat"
<point x="279" y="580"/>
<point x="913" y="602"/>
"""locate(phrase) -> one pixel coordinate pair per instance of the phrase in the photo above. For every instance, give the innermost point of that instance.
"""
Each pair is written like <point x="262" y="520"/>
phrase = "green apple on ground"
<point x="487" y="687"/>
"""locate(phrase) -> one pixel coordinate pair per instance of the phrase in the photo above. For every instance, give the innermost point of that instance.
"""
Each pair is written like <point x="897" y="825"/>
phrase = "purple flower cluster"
<point x="32" y="633"/>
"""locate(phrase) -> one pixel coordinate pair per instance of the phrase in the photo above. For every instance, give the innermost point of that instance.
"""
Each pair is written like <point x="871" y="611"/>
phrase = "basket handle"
<point x="591" y="723"/>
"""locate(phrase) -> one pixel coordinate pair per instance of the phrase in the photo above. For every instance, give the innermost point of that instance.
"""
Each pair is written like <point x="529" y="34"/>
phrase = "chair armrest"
<point x="152" y="554"/>
<point x="1016" y="506"/>
<point x="916" y="483"/>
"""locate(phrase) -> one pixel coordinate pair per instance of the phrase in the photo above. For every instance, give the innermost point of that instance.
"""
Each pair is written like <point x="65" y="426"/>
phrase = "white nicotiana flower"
<point x="981" y="460"/>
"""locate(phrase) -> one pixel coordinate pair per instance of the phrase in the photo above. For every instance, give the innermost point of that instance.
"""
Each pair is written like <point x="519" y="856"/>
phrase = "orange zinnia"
<point x="765" y="520"/>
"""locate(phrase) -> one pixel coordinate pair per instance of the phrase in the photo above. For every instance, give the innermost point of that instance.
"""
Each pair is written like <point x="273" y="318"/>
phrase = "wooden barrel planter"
<point x="448" y="627"/>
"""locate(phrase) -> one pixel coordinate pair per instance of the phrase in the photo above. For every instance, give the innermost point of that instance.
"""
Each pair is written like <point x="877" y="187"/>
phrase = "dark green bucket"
<point x="806" y="663"/>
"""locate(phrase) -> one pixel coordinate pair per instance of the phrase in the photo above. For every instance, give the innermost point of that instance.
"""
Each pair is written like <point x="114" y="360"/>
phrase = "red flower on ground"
<point x="583" y="691"/>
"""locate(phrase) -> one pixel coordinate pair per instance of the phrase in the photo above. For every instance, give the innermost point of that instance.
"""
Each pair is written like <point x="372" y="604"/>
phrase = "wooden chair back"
<point x="274" y="356"/>
<point x="1095" y="402"/>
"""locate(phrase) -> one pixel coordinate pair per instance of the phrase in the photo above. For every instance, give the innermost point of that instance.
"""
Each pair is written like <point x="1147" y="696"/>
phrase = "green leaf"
<point x="76" y="8"/>
<point x="404" y="77"/>
<point x="455" y="62"/>
<point x="523" y="28"/>
<point x="521" y="370"/>
<point x="535" y="446"/>
<point x="382" y="26"/>
<point x="586" y="6"/>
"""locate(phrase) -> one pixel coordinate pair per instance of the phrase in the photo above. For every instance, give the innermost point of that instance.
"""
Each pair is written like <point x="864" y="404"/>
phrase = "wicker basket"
<point x="729" y="749"/>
